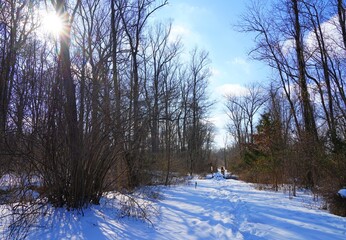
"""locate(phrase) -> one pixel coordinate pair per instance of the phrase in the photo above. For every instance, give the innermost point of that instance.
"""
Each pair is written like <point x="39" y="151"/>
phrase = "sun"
<point x="52" y="23"/>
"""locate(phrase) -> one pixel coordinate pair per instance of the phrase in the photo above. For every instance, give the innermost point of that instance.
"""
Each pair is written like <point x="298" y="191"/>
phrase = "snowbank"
<point x="342" y="193"/>
<point x="218" y="176"/>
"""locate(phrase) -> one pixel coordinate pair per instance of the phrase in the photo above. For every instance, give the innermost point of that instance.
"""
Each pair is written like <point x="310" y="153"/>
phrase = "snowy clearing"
<point x="214" y="210"/>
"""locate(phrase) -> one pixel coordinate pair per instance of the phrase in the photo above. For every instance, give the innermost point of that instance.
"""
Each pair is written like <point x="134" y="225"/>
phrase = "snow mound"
<point x="342" y="193"/>
<point x="209" y="176"/>
<point x="218" y="176"/>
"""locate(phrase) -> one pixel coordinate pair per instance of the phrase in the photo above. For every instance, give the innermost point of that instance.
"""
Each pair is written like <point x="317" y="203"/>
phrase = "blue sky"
<point x="209" y="25"/>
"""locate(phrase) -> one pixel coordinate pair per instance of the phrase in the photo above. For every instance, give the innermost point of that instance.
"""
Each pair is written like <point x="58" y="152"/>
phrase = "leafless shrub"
<point x="138" y="205"/>
<point x="20" y="209"/>
<point x="23" y="217"/>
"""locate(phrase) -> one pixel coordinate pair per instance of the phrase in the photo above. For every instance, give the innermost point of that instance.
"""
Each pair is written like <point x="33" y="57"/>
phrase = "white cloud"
<point x="232" y="89"/>
<point x="241" y="63"/>
<point x="179" y="31"/>
<point x="219" y="121"/>
<point x="216" y="72"/>
<point x="186" y="34"/>
<point x="332" y="39"/>
<point x="287" y="46"/>
<point x="186" y="10"/>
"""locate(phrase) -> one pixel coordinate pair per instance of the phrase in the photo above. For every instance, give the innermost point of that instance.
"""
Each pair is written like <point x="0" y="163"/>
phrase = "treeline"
<point x="294" y="130"/>
<point x="108" y="104"/>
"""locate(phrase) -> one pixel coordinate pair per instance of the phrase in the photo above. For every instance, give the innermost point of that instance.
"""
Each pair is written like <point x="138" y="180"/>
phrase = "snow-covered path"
<point x="234" y="210"/>
<point x="214" y="210"/>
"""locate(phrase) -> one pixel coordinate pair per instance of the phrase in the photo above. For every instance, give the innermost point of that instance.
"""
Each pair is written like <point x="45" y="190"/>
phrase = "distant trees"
<point x="16" y="74"/>
<point x="197" y="132"/>
<point x="109" y="104"/>
<point x="242" y="112"/>
<point x="303" y="41"/>
<point x="162" y="94"/>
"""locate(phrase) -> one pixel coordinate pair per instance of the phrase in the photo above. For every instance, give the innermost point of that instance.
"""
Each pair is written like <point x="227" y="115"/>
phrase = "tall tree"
<point x="198" y="104"/>
<point x="134" y="16"/>
<point x="16" y="25"/>
<point x="308" y="114"/>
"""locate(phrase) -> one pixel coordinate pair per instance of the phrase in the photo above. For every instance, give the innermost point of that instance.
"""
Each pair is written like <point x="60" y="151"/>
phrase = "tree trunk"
<point x="76" y="199"/>
<point x="308" y="116"/>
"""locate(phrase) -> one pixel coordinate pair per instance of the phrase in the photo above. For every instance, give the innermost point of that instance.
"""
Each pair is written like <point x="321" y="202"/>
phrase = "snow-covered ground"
<point x="214" y="210"/>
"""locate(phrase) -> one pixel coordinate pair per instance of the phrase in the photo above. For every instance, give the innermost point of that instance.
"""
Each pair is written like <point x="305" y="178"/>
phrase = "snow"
<point x="218" y="176"/>
<point x="342" y="193"/>
<point x="8" y="181"/>
<point x="226" y="209"/>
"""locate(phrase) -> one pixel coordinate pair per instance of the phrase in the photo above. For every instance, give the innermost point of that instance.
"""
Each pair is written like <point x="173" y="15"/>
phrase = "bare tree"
<point x="242" y="111"/>
<point x="198" y="104"/>
<point x="16" y="26"/>
<point x="134" y="16"/>
<point x="236" y="116"/>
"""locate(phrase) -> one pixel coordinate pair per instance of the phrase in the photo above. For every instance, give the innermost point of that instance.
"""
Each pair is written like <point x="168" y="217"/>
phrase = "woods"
<point x="111" y="103"/>
<point x="108" y="99"/>
<point x="299" y="117"/>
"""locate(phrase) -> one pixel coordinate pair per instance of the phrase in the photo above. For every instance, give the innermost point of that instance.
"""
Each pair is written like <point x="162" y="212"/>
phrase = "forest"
<point x="109" y="103"/>
<point x="292" y="130"/>
<point x="113" y="102"/>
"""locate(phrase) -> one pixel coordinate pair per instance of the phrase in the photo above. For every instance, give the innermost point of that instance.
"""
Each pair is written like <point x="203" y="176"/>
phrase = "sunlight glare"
<point x="52" y="23"/>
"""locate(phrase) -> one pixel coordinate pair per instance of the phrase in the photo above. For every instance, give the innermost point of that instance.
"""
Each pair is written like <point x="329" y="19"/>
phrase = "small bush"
<point x="337" y="205"/>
